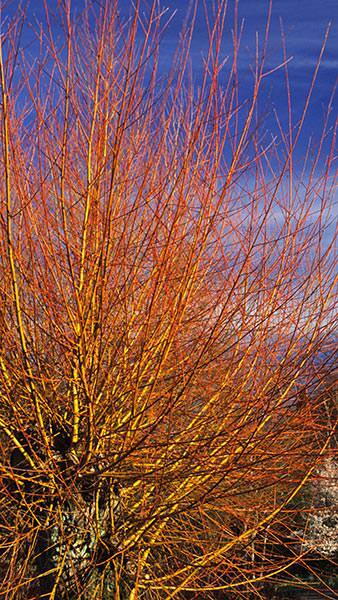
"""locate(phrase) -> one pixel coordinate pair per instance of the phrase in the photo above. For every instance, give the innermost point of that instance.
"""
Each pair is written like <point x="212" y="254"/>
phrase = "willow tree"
<point x="166" y="298"/>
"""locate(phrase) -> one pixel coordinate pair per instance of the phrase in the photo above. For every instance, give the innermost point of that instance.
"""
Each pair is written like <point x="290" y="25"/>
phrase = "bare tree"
<point x="165" y="295"/>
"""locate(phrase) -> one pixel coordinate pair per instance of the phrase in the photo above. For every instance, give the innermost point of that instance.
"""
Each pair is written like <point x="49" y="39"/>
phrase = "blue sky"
<point x="304" y="21"/>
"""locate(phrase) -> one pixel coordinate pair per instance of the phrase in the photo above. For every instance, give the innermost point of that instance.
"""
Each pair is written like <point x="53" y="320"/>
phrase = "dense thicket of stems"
<point x="167" y="313"/>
